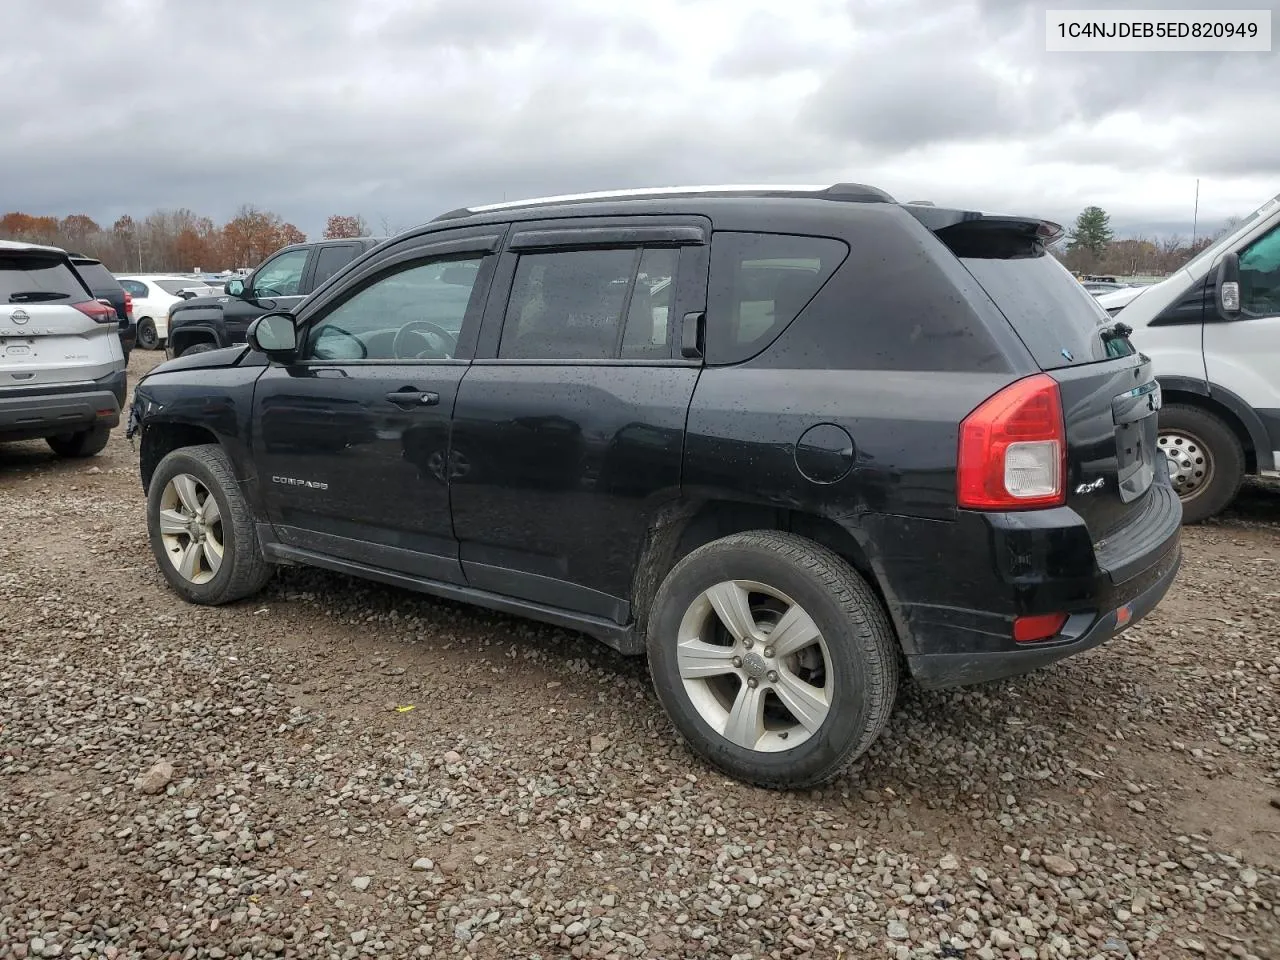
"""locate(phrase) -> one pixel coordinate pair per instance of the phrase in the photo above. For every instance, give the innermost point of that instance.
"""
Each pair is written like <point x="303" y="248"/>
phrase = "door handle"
<point x="407" y="398"/>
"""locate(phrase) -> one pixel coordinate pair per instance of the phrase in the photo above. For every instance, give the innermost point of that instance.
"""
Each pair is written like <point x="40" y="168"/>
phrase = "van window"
<point x="1260" y="276"/>
<point x="759" y="283"/>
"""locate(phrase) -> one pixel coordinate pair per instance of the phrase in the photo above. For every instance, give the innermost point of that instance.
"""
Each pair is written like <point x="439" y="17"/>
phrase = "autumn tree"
<point x="340" y="226"/>
<point x="252" y="234"/>
<point x="29" y="229"/>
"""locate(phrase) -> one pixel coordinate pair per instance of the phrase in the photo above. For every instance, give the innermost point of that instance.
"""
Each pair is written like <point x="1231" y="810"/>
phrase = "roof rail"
<point x="851" y="192"/>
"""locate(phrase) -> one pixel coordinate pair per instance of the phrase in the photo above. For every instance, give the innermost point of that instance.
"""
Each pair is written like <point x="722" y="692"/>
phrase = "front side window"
<point x="415" y="313"/>
<point x="1260" y="276"/>
<point x="281" y="277"/>
<point x="759" y="283"/>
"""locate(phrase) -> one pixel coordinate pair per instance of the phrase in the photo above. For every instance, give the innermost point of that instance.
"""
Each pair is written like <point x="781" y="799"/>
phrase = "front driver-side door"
<point x="276" y="285"/>
<point x="352" y="440"/>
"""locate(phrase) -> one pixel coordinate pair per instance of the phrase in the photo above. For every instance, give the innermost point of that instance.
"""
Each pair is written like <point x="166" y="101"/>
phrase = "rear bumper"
<point x="955" y="605"/>
<point x="34" y="412"/>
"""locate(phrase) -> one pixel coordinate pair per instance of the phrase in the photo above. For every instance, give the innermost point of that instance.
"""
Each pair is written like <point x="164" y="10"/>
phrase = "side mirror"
<point x="1229" y="287"/>
<point x="234" y="288"/>
<point x="276" y="335"/>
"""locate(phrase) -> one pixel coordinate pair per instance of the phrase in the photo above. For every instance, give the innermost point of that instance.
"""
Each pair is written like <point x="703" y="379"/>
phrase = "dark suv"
<point x="105" y="286"/>
<point x="209" y="323"/>
<point x="779" y="440"/>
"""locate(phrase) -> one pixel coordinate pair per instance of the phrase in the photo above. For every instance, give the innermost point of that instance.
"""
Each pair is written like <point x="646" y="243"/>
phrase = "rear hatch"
<point x="1109" y="394"/>
<point x="44" y="337"/>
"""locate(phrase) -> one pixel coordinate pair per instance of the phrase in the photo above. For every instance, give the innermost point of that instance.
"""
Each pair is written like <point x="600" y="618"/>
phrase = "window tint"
<point x="23" y="278"/>
<point x="281" y="277"/>
<point x="413" y="314"/>
<point x="759" y="284"/>
<point x="1260" y="276"/>
<point x="97" y="276"/>
<point x="135" y="288"/>
<point x="1058" y="319"/>
<point x="568" y="305"/>
<point x="648" y="330"/>
<point x="329" y="260"/>
<point x="173" y="286"/>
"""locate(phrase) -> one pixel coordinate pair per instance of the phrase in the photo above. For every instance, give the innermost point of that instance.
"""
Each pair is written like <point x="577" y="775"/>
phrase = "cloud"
<point x="405" y="108"/>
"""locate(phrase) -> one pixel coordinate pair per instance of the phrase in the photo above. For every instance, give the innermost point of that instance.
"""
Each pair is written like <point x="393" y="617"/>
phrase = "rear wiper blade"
<point x="36" y="296"/>
<point x="1117" y="331"/>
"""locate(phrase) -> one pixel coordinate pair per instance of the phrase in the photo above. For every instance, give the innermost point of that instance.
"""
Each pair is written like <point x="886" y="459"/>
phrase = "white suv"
<point x="62" y="370"/>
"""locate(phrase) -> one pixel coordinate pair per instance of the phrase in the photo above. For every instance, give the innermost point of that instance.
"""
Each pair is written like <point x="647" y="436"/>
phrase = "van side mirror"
<point x="276" y="335"/>
<point x="1228" y="287"/>
<point x="234" y="288"/>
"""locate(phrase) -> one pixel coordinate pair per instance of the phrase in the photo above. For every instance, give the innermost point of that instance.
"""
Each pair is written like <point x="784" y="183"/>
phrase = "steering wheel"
<point x="423" y="329"/>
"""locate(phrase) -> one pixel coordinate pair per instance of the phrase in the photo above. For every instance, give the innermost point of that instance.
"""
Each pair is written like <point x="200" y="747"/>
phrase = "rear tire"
<point x="85" y="443"/>
<point x="829" y="685"/>
<point x="147" y="337"/>
<point x="1206" y="460"/>
<point x="200" y="528"/>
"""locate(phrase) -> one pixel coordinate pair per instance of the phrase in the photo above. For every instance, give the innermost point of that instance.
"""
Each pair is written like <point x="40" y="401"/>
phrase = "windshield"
<point x="1059" y="321"/>
<point x="1207" y="255"/>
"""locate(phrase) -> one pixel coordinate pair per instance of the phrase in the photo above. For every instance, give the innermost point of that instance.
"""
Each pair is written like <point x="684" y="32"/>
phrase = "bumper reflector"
<point x="1042" y="626"/>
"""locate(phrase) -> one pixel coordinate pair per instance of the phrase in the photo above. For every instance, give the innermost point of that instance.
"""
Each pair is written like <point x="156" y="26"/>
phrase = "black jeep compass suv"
<point x="779" y="440"/>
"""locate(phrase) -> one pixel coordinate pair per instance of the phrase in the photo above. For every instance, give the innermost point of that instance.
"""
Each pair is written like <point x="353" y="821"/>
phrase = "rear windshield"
<point x="1054" y="315"/>
<point x="32" y="279"/>
<point x="173" y="286"/>
<point x="98" y="277"/>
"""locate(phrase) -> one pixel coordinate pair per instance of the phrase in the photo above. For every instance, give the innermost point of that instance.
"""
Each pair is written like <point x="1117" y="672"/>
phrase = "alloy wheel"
<point x="755" y="666"/>
<point x="191" y="528"/>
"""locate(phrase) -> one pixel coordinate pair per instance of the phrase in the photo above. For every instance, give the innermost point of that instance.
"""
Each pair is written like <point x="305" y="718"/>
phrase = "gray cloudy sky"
<point x="405" y="108"/>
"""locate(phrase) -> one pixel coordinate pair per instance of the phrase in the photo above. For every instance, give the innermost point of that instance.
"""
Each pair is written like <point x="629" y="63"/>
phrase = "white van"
<point x="1213" y="330"/>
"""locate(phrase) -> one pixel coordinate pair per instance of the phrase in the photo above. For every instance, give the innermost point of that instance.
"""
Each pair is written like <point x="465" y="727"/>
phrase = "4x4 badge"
<point x="19" y="316"/>
<point x="1091" y="486"/>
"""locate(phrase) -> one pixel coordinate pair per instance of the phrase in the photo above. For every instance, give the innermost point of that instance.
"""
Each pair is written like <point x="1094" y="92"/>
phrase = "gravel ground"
<point x="337" y="769"/>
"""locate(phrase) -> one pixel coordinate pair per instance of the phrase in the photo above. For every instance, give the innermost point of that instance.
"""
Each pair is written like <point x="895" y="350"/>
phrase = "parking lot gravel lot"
<point x="338" y="769"/>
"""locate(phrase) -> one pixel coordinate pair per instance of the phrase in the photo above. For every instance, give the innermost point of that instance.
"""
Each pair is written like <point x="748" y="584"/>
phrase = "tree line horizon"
<point x="181" y="241"/>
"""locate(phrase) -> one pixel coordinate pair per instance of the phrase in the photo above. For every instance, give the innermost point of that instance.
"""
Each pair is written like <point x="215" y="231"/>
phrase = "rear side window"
<point x="35" y="279"/>
<point x="759" y="283"/>
<point x="171" y="286"/>
<point x="329" y="260"/>
<point x="591" y="305"/>
<point x="1054" y="315"/>
<point x="134" y="288"/>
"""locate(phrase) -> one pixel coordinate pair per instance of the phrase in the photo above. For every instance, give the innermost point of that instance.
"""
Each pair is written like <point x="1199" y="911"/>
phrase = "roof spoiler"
<point x="964" y="228"/>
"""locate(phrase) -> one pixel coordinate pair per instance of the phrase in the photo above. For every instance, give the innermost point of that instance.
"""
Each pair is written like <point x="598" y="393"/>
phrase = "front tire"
<point x="201" y="530"/>
<point x="1206" y="460"/>
<point x="773" y="658"/>
<point x="85" y="443"/>
<point x="148" y="338"/>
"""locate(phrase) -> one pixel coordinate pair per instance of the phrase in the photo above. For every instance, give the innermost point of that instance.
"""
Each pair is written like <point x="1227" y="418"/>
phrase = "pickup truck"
<point x="279" y="283"/>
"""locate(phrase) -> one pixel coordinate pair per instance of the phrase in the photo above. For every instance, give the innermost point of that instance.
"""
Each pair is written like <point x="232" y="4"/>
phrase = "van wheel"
<point x="201" y="530"/>
<point x="1206" y="460"/>
<point x="85" y="443"/>
<point x="147" y="338"/>
<point x="773" y="658"/>
<point x="198" y="348"/>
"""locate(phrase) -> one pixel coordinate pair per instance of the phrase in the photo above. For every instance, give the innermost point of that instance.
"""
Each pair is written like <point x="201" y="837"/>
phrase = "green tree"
<point x="1092" y="232"/>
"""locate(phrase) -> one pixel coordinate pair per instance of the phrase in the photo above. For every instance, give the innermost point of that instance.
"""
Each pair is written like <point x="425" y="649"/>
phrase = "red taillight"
<point x="1013" y="449"/>
<point x="128" y="304"/>
<point x="99" y="311"/>
<point x="1040" y="627"/>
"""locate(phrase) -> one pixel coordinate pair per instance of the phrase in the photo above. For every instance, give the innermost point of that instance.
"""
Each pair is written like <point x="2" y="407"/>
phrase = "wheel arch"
<point x="682" y="527"/>
<point x="186" y="336"/>
<point x="161" y="438"/>
<point x="1231" y="409"/>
